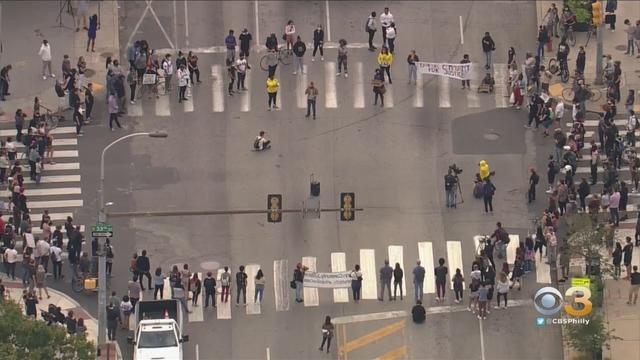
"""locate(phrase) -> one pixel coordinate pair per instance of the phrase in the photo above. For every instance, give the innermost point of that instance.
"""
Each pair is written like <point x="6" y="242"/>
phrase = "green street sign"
<point x="578" y="281"/>
<point x="102" y="228"/>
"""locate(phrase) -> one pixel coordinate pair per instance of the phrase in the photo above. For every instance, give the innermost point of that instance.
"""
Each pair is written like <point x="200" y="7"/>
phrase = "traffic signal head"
<point x="274" y="207"/>
<point x="347" y="204"/>
<point x="596" y="13"/>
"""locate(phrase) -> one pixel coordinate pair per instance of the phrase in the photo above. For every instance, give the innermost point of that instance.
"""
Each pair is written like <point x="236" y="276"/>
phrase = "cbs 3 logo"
<point x="549" y="301"/>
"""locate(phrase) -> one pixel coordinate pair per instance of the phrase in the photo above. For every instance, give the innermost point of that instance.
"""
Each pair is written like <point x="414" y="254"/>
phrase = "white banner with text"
<point x="455" y="71"/>
<point x="333" y="280"/>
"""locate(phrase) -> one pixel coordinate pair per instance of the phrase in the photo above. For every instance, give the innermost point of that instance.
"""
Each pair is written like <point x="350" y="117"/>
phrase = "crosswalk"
<point x="60" y="190"/>
<point x="335" y="91"/>
<point x="366" y="258"/>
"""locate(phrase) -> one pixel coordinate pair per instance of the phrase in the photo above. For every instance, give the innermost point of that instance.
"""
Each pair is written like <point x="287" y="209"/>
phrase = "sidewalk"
<point x="625" y="319"/>
<point x="23" y="55"/>
<point x="614" y="43"/>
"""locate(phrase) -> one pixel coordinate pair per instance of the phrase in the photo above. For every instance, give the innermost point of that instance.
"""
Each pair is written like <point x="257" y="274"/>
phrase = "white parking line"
<point x="217" y="92"/>
<point x="418" y="98"/>
<point x="310" y="294"/>
<point x="425" y="253"/>
<point x="162" y="105"/>
<point x="281" y="284"/>
<point x="454" y="255"/>
<point x="358" y="87"/>
<point x="188" y="105"/>
<point x="369" y="274"/>
<point x="223" y="310"/>
<point x="331" y="97"/>
<point x="514" y="242"/>
<point x="339" y="263"/>
<point x="396" y="257"/>
<point x="443" y="95"/>
<point x="326" y="3"/>
<point x="253" y="307"/>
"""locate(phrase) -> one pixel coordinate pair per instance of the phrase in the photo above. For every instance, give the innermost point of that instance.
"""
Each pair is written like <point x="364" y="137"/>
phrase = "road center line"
<point x="186" y="22"/>
<point x="328" y="20"/>
<point x="255" y="11"/>
<point x="481" y="339"/>
<point x="175" y="24"/>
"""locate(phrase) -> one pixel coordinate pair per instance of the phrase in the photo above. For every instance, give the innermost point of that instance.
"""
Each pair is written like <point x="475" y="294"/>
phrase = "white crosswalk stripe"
<point x="369" y="288"/>
<point x="454" y="256"/>
<point x="301" y="85"/>
<point x="245" y="96"/>
<point x="358" y="87"/>
<point x="388" y="97"/>
<point x="425" y="253"/>
<point x="253" y="307"/>
<point x="217" y="91"/>
<point x="281" y="288"/>
<point x="310" y="294"/>
<point x="189" y="105"/>
<point x="500" y="89"/>
<point x="331" y="98"/>
<point x="444" y="92"/>
<point x="473" y="101"/>
<point x="162" y="105"/>
<point x="339" y="263"/>
<point x="418" y="98"/>
<point x="223" y="309"/>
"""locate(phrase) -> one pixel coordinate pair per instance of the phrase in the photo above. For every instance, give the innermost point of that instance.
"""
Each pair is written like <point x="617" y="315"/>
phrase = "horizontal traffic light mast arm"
<point x="215" y="212"/>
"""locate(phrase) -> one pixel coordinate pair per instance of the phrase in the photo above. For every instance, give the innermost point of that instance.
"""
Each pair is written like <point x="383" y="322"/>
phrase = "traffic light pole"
<point x="599" y="74"/>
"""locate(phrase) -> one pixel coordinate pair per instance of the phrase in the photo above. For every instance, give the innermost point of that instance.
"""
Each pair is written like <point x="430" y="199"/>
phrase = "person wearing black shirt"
<point x="533" y="181"/>
<point x="74" y="100"/>
<point x="272" y="42"/>
<point x="143" y="266"/>
<point x="627" y="252"/>
<point x="4" y="82"/>
<point x="635" y="286"/>
<point x="450" y="189"/>
<point x="61" y="95"/>
<point x="465" y="60"/>
<point x="245" y="41"/>
<point x="210" y="288"/>
<point x="241" y="284"/>
<point x="418" y="313"/>
<point x="487" y="47"/>
<point x="88" y="101"/>
<point x="318" y="42"/>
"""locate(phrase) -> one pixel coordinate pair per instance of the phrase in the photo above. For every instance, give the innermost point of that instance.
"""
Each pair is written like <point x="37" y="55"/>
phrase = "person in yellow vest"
<point x="385" y="58"/>
<point x="272" y="91"/>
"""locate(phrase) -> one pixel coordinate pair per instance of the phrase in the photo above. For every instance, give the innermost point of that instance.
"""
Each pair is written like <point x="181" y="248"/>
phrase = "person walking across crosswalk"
<point x="231" y="72"/>
<point x="272" y="92"/>
<point x="378" y="87"/>
<point x="342" y="58"/>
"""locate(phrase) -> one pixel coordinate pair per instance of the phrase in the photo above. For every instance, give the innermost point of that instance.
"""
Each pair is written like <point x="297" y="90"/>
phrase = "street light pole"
<point x="102" y="218"/>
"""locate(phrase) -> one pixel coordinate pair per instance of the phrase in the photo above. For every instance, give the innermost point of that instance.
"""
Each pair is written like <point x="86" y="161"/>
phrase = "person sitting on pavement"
<point x="261" y="142"/>
<point x="418" y="313"/>
<point x="487" y="84"/>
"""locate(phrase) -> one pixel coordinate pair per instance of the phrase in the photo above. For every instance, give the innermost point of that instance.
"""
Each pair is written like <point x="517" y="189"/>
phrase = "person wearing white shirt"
<point x="44" y="251"/>
<point x="386" y="18"/>
<point x="391" y="37"/>
<point x="632" y="126"/>
<point x="241" y="66"/>
<point x="56" y="260"/>
<point x="183" y="81"/>
<point x="261" y="142"/>
<point x="289" y="33"/>
<point x="559" y="112"/>
<point x="11" y="258"/>
<point x="45" y="55"/>
<point x="167" y="66"/>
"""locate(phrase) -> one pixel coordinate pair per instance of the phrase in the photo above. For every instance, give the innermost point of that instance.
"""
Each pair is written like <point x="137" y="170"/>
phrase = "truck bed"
<point x="155" y="309"/>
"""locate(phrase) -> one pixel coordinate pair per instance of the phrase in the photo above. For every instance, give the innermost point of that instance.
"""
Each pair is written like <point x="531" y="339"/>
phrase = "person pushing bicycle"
<point x="563" y="53"/>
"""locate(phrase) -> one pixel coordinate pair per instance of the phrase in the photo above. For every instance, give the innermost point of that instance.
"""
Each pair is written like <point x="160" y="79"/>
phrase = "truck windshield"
<point x="157" y="339"/>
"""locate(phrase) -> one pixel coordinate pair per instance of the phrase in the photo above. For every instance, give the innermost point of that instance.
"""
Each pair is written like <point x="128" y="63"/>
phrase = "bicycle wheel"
<point x="52" y="122"/>
<point x="286" y="57"/>
<point x="568" y="94"/>
<point x="76" y="285"/>
<point x="595" y="95"/>
<point x="264" y="63"/>
<point x="564" y="75"/>
<point x="553" y="65"/>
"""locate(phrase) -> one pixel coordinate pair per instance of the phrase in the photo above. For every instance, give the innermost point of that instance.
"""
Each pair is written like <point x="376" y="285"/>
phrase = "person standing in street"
<point x="391" y="37"/>
<point x="289" y="33"/>
<point x="167" y="66"/>
<point x="231" y="72"/>
<point x="241" y="285"/>
<point x="91" y="32"/>
<point x="245" y="43"/>
<point x="196" y="288"/>
<point x="327" y="333"/>
<point x="342" y="58"/>
<point x="312" y="93"/>
<point x="616" y="257"/>
<point x="418" y="281"/>
<point x="209" y="290"/>
<point x="134" y="291"/>
<point x="192" y="66"/>
<point x="4" y="82"/>
<point x="241" y="68"/>
<point x="488" y="46"/>
<point x="225" y="283"/>
<point x="450" y="189"/>
<point x="552" y="19"/>
<point x="299" y="48"/>
<point x="132" y="79"/>
<point x="630" y="29"/>
<point x="634" y="286"/>
<point x="483" y="292"/>
<point x="45" y="56"/>
<point x="356" y="282"/>
<point x="386" y="19"/>
<point x="88" y="102"/>
<point x="543" y="38"/>
<point x="371" y="28"/>
<point x="112" y="106"/>
<point x="627" y="253"/>
<point x="610" y="9"/>
<point x="272" y="92"/>
<point x="458" y="284"/>
<point x="384" y="61"/>
<point x="56" y="260"/>
<point x="398" y="274"/>
<point x="503" y="290"/>
<point x="467" y="83"/>
<point x="183" y="82"/>
<point x="440" y="273"/>
<point x="143" y="267"/>
<point x="230" y="43"/>
<point x="386" y="273"/>
<point x="158" y="282"/>
<point x="378" y="87"/>
<point x="412" y="59"/>
<point x="318" y="42"/>
<point x="581" y="60"/>
<point x="113" y="317"/>
<point x="41" y="282"/>
<point x="534" y="178"/>
<point x="298" y="279"/>
<point x="259" y="287"/>
<point x="614" y="203"/>
<point x="488" y="191"/>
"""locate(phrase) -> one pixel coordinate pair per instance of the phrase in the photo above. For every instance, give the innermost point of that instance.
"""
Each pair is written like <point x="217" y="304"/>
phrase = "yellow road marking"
<point x="371" y="337"/>
<point x="394" y="354"/>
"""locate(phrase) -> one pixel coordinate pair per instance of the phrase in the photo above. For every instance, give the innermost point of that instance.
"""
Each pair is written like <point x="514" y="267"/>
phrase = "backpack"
<point x="256" y="144"/>
<point x="504" y="236"/>
<point x="478" y="190"/>
<point x="535" y="179"/>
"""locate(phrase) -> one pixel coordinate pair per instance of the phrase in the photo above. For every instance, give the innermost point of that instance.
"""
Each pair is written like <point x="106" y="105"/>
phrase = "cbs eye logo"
<point x="549" y="301"/>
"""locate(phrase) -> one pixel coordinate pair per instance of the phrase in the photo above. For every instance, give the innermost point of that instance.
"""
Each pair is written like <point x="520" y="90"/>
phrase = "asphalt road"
<point x="393" y="159"/>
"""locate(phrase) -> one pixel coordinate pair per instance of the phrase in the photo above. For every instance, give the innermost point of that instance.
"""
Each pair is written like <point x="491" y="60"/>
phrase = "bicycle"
<point x="50" y="118"/>
<point x="284" y="56"/>
<point x="562" y="68"/>
<point x="592" y="31"/>
<point x="593" y="95"/>
<point x="483" y="240"/>
<point x="78" y="284"/>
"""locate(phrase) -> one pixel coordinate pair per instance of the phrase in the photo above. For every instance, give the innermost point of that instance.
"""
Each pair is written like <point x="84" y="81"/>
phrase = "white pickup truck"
<point x="158" y="330"/>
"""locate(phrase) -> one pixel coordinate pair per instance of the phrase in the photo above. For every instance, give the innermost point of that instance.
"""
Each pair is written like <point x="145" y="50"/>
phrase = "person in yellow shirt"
<point x="384" y="60"/>
<point x="272" y="91"/>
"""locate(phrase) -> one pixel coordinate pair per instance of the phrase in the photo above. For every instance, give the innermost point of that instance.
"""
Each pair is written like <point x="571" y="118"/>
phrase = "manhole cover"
<point x="491" y="135"/>
<point x="210" y="265"/>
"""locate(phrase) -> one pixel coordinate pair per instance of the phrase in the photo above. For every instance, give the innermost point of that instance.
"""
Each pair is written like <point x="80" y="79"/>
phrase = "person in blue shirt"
<point x="230" y="43"/>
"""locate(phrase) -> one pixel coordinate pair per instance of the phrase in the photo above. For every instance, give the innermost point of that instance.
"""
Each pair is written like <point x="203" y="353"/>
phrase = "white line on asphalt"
<point x="388" y="104"/>
<point x="253" y="308"/>
<point x="481" y="339"/>
<point x="55" y="204"/>
<point x="543" y="272"/>
<point x="472" y="95"/>
<point x="175" y="25"/>
<point x="153" y="13"/>
<point x="443" y="94"/>
<point x="458" y="308"/>
<point x="57" y="142"/>
<point x="454" y="254"/>
<point x="135" y="109"/>
<point x="331" y="97"/>
<point x="396" y="257"/>
<point x="301" y="85"/>
<point x="135" y="29"/>
<point x="594" y="123"/>
<point x="328" y="20"/>
<point x="369" y="275"/>
<point x="162" y="105"/>
<point x="197" y="348"/>
<point x="418" y="98"/>
<point x="281" y="284"/>
<point x="63" y="154"/>
<point x="50" y="179"/>
<point x="53" y="216"/>
<point x="358" y="87"/>
<point x="514" y="242"/>
<point x="221" y="49"/>
<point x="461" y="31"/>
<point x="196" y="314"/>
<point x="166" y="289"/>
<point x="223" y="310"/>
<point x="425" y="253"/>
<point x="255" y="12"/>
<point x="186" y="24"/>
<point x="268" y="354"/>
<point x="245" y="98"/>
<point x="56" y="131"/>
<point x="61" y="166"/>
<point x="43" y="192"/>
<point x="188" y="104"/>
<point x="310" y="294"/>
<point x="339" y="263"/>
<point x="216" y="89"/>
<point x="500" y="90"/>
<point x="280" y="92"/>
<point x="349" y="319"/>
